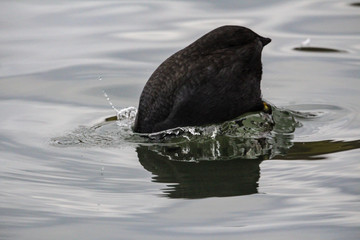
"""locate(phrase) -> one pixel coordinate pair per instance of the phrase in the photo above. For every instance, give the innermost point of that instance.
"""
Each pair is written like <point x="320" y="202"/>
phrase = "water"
<point x="69" y="170"/>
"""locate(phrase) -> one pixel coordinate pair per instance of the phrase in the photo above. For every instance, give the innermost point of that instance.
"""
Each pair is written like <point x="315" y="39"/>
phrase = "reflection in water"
<point x="356" y="4"/>
<point x="223" y="178"/>
<point x="216" y="160"/>
<point x="201" y="179"/>
<point x="227" y="161"/>
<point x="319" y="49"/>
<point x="317" y="150"/>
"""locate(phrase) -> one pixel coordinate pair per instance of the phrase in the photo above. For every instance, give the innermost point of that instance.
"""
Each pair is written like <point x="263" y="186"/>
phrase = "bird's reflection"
<point x="221" y="178"/>
<point x="201" y="179"/>
<point x="201" y="162"/>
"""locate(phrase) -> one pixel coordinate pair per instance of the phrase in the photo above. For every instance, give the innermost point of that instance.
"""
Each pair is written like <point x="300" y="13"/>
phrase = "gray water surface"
<point x="68" y="173"/>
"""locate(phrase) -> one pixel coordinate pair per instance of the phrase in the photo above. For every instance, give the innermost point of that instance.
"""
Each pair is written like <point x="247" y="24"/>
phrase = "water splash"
<point x="109" y="101"/>
<point x="250" y="136"/>
<point x="128" y="113"/>
<point x="253" y="135"/>
<point x="108" y="98"/>
<point x="306" y="42"/>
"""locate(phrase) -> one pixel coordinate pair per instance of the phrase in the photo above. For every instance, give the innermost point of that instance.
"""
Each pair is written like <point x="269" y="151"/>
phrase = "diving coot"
<point x="214" y="79"/>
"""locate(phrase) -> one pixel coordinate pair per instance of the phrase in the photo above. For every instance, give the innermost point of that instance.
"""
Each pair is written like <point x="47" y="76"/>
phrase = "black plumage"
<point x="214" y="79"/>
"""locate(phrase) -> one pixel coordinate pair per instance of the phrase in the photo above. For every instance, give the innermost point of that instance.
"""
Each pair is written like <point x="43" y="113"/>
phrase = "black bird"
<point x="214" y="79"/>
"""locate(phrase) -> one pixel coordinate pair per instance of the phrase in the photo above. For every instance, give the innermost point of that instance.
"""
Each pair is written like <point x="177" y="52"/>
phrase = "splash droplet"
<point x="306" y="42"/>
